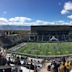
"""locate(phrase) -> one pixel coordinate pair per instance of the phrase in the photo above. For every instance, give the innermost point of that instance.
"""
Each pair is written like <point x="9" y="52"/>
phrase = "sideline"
<point x="14" y="48"/>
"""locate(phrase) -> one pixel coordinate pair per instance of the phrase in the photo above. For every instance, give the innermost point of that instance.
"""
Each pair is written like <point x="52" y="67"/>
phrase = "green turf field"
<point x="59" y="48"/>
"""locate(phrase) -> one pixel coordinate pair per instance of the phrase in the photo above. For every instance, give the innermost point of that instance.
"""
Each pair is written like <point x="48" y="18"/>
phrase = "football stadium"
<point x="35" y="35"/>
<point x="48" y="40"/>
<point x="42" y="44"/>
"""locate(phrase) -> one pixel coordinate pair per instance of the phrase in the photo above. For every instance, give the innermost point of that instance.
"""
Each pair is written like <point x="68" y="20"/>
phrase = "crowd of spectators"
<point x="18" y="62"/>
<point x="60" y="66"/>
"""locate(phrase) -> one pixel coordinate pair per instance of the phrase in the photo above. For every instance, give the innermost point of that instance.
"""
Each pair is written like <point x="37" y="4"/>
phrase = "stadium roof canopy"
<point x="51" y="28"/>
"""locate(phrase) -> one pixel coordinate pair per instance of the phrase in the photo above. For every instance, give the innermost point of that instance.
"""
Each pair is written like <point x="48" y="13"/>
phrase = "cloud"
<point x="14" y="21"/>
<point x="70" y="16"/>
<point x="40" y="22"/>
<point x="20" y="19"/>
<point x="3" y="21"/>
<point x="25" y="21"/>
<point x="67" y="8"/>
<point x="37" y="22"/>
<point x="64" y="12"/>
<point x="61" y="22"/>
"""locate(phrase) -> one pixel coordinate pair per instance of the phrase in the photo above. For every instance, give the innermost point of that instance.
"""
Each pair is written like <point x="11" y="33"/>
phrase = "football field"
<point x="54" y="48"/>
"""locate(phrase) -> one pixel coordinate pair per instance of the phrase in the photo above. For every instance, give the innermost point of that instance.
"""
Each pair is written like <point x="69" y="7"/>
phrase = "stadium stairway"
<point x="44" y="68"/>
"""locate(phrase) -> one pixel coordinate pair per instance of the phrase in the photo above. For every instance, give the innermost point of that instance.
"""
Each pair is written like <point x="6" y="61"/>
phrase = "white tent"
<point x="53" y="39"/>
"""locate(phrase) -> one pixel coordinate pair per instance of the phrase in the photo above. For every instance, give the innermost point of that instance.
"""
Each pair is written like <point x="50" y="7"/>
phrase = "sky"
<point x="35" y="12"/>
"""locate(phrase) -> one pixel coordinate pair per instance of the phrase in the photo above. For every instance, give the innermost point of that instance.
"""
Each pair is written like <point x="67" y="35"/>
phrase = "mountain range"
<point x="14" y="27"/>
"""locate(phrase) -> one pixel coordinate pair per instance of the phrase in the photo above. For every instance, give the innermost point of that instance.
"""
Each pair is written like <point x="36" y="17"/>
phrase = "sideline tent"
<point x="53" y="39"/>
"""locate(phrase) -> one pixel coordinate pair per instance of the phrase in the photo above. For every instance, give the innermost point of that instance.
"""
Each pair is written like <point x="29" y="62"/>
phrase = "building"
<point x="51" y="32"/>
